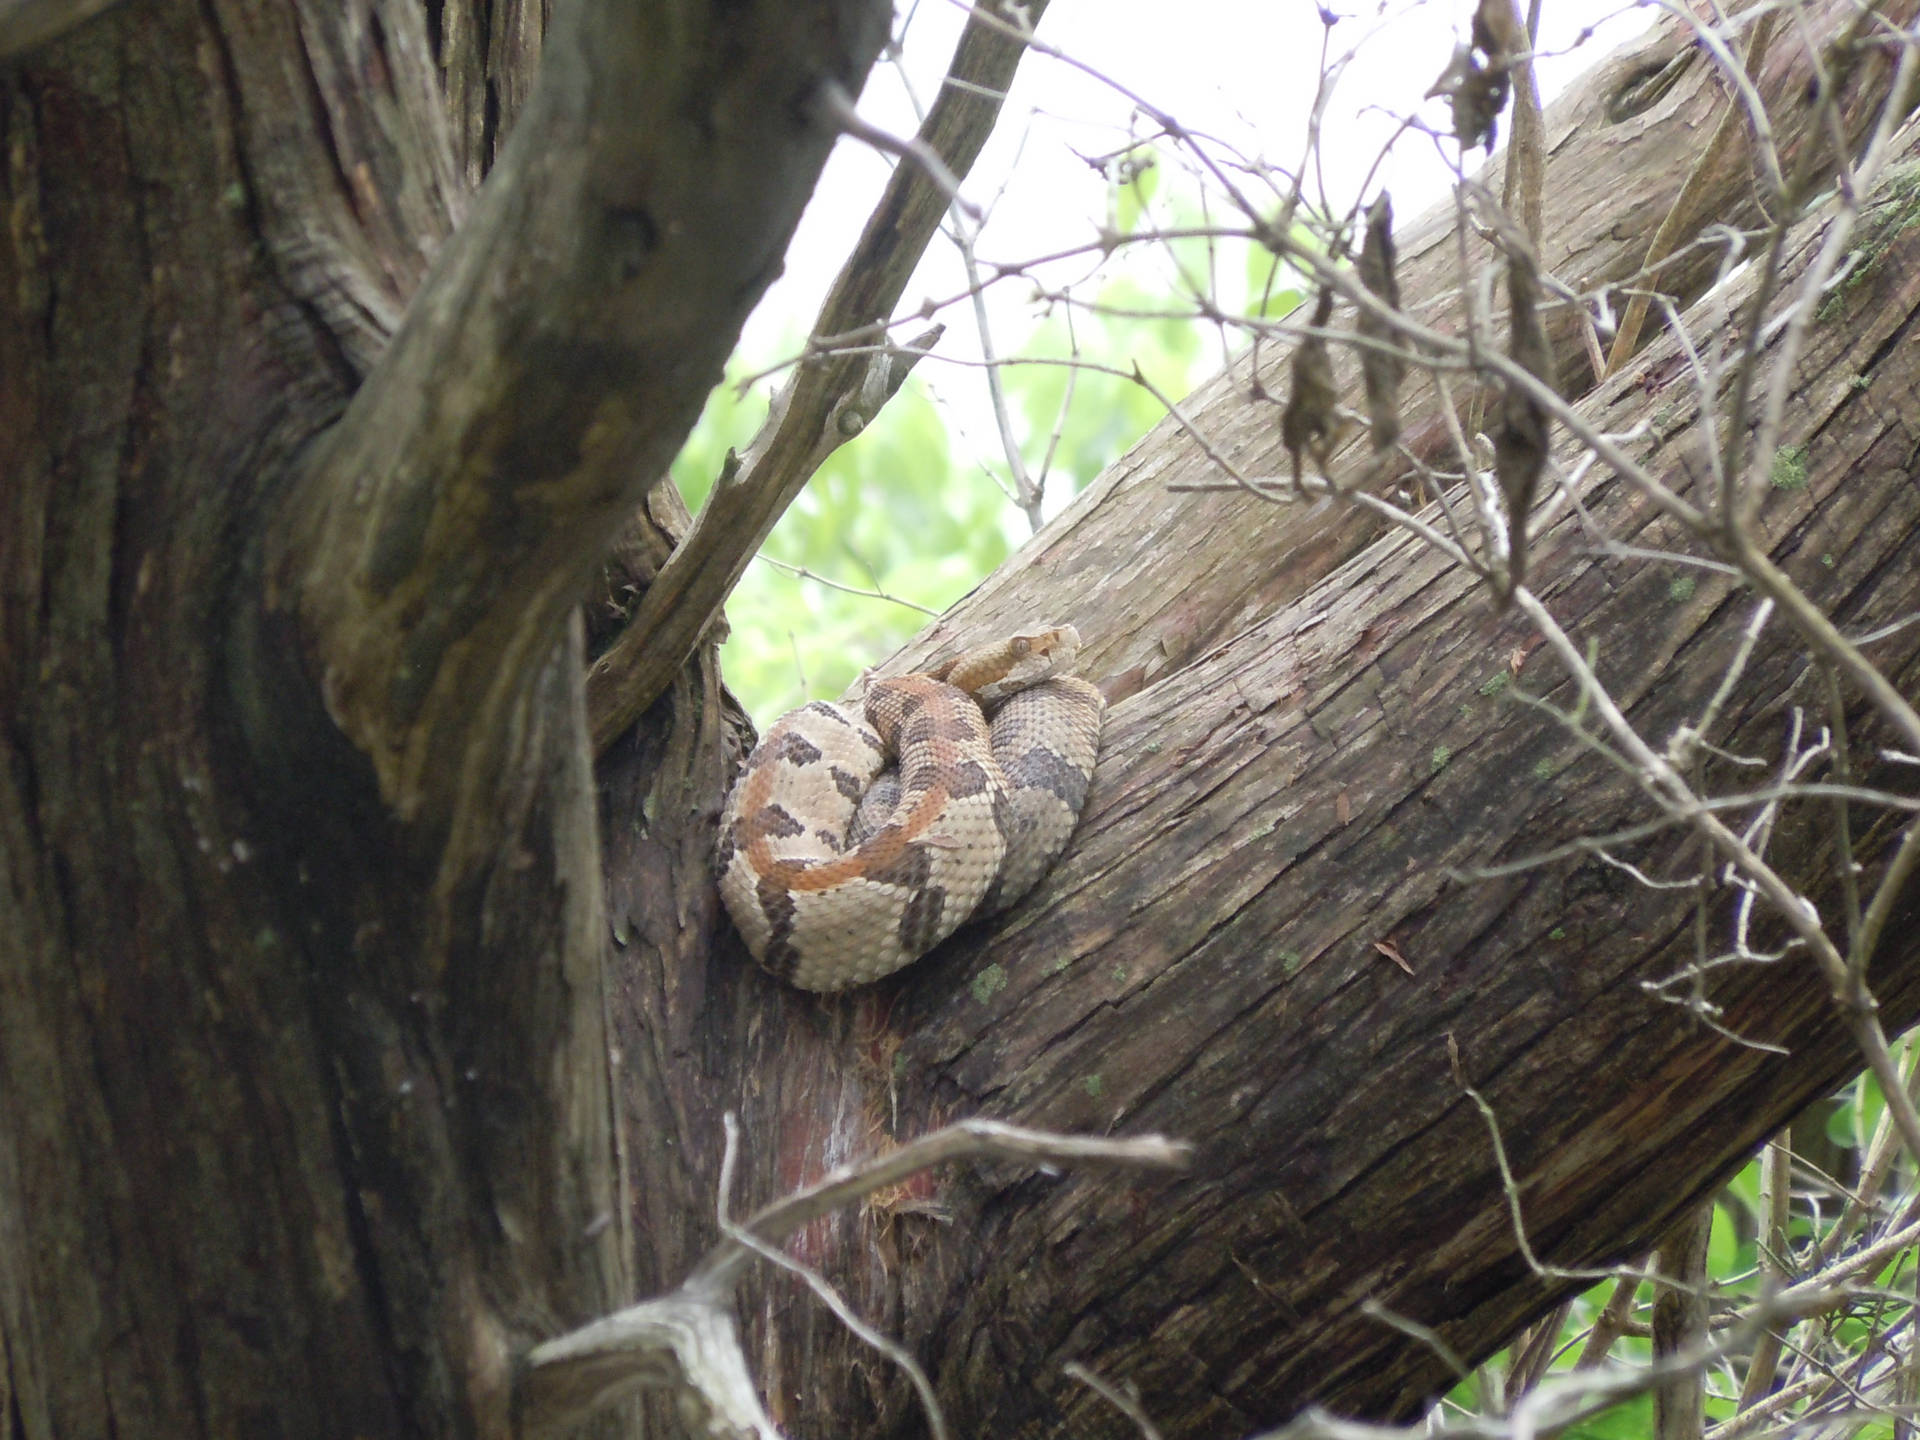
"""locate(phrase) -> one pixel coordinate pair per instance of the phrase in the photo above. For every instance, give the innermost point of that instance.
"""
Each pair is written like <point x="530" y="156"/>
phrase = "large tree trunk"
<point x="307" y="1124"/>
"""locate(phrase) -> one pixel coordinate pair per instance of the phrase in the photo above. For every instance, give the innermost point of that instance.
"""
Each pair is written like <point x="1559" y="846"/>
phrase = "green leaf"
<point x="1632" y="1420"/>
<point x="1724" y="1250"/>
<point x="906" y="511"/>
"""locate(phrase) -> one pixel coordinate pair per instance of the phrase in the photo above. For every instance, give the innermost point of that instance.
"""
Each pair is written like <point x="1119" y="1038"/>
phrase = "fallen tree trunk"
<point x="1260" y="939"/>
<point x="1263" y="940"/>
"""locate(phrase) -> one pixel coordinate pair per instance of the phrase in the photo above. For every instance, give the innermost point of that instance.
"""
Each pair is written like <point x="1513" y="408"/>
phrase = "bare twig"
<point x="1680" y="1323"/>
<point x="1610" y="1324"/>
<point x="801" y="572"/>
<point x="690" y="588"/>
<point x="630" y="673"/>
<point x="1125" y="1399"/>
<point x="967" y="1140"/>
<point x="686" y="1340"/>
<point x="1776" y="1195"/>
<point x="834" y="102"/>
<point x="1627" y="337"/>
<point x="683" y="1343"/>
<point x="826" y="1294"/>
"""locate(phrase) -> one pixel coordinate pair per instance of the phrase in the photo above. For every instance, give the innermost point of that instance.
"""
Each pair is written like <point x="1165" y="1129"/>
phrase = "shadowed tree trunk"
<point x="310" y="446"/>
<point x="302" y="1016"/>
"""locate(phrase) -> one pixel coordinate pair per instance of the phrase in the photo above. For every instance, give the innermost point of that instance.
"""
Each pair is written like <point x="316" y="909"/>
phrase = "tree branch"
<point x="688" y="1345"/>
<point x="550" y="366"/>
<point x="628" y="669"/>
<point x="967" y="1140"/>
<point x="1253" y="835"/>
<point x="687" y="1341"/>
<point x="694" y="583"/>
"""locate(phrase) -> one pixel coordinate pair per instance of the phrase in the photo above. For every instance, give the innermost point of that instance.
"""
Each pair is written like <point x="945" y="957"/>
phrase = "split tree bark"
<point x="306" y="1120"/>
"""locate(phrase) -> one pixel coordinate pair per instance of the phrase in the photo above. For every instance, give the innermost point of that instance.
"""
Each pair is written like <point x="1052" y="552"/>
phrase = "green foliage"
<point x="1269" y="297"/>
<point x="1730" y="1249"/>
<point x="1838" y="1354"/>
<point x="1852" y="1123"/>
<point x="1744" y="1188"/>
<point x="1098" y="413"/>
<point x="911" y="512"/>
<point x="891" y="512"/>
<point x="1631" y="1421"/>
<point x="904" y="511"/>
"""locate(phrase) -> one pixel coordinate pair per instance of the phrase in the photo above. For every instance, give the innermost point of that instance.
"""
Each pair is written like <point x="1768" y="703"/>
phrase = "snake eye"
<point x="1020" y="646"/>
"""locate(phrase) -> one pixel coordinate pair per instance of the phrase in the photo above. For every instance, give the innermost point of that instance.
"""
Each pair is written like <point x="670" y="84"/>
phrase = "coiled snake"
<point x="857" y="839"/>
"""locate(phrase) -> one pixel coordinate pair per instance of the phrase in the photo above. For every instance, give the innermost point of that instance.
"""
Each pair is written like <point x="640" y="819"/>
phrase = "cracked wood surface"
<point x="1212" y="956"/>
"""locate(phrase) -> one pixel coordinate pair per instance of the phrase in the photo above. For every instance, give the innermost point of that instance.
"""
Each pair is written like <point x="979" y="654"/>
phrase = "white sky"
<point x="1241" y="70"/>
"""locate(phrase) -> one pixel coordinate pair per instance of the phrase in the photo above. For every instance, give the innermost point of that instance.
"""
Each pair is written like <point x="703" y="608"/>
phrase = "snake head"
<point x="992" y="672"/>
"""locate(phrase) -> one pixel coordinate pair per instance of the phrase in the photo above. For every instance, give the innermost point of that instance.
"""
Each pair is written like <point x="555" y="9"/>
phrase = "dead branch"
<point x="686" y="1341"/>
<point x="429" y="588"/>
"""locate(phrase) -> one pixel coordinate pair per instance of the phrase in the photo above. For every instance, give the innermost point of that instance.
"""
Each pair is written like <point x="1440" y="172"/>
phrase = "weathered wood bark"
<point x="306" y="1109"/>
<point x="305" y="1122"/>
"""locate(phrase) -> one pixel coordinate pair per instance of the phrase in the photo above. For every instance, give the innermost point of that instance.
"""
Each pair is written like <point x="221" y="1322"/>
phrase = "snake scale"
<point x="857" y="838"/>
